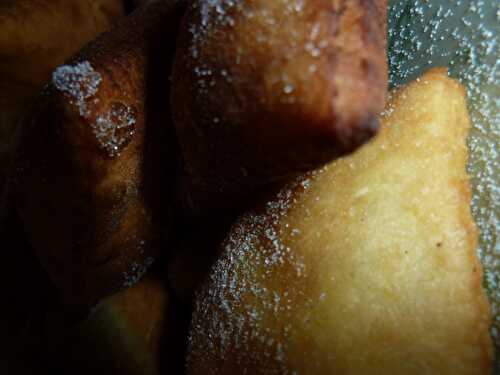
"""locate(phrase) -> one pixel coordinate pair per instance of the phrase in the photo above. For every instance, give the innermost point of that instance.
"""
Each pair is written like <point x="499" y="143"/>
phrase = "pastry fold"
<point x="93" y="173"/>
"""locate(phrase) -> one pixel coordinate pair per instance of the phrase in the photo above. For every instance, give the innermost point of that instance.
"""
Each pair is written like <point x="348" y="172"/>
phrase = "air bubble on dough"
<point x="463" y="35"/>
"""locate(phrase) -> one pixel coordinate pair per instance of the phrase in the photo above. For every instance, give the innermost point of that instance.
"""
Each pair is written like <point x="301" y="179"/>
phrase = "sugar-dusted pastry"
<point x="366" y="266"/>
<point x="93" y="171"/>
<point x="264" y="89"/>
<point x="35" y="37"/>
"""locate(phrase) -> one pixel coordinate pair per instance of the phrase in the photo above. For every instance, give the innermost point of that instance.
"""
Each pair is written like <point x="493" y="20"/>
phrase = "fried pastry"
<point x="129" y="333"/>
<point x="264" y="89"/>
<point x="35" y="37"/>
<point x="90" y="189"/>
<point x="366" y="266"/>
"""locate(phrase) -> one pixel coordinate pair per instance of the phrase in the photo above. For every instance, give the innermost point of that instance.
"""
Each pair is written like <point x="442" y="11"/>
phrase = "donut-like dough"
<point x="265" y="89"/>
<point x="94" y="168"/>
<point x="35" y="37"/>
<point x="367" y="266"/>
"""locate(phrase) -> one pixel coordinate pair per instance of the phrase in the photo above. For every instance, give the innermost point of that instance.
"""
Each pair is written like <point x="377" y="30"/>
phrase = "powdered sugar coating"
<point x="223" y="16"/>
<point x="80" y="82"/>
<point x="115" y="128"/>
<point x="250" y="72"/>
<point x="464" y="36"/>
<point x="239" y="299"/>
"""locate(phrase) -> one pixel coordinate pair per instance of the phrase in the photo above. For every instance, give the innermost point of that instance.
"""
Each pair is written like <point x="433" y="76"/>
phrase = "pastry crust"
<point x="129" y="333"/>
<point x="35" y="37"/>
<point x="95" y="160"/>
<point x="264" y="89"/>
<point x="367" y="266"/>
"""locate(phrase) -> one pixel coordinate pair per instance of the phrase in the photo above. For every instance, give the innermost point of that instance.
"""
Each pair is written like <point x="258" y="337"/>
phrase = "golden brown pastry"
<point x="93" y="171"/>
<point x="129" y="333"/>
<point x="35" y="37"/>
<point x="263" y="89"/>
<point x="366" y="266"/>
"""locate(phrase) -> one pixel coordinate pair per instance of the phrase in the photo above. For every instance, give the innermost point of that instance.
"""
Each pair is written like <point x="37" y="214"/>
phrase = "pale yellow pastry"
<point x="367" y="266"/>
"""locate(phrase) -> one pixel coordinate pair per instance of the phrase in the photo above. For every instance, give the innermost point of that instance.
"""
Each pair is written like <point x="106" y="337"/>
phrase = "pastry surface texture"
<point x="366" y="266"/>
<point x="35" y="37"/>
<point x="265" y="89"/>
<point x="92" y="175"/>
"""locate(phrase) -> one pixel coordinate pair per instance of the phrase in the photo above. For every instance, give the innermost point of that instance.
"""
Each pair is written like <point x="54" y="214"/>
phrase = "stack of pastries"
<point x="223" y="186"/>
